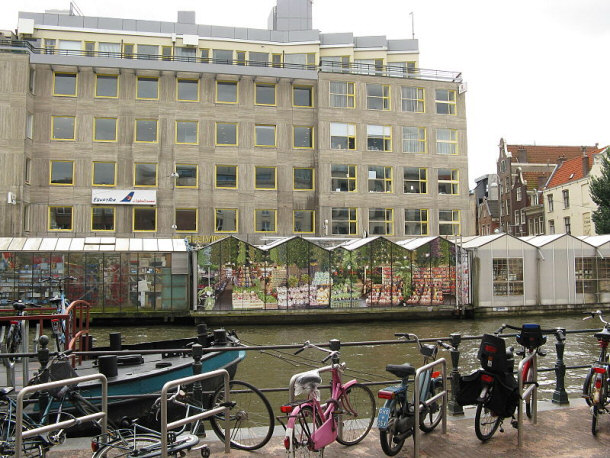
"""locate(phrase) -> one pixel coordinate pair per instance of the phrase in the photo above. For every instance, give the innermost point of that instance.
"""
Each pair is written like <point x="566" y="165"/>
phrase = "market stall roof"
<point x="541" y="240"/>
<point x="91" y="244"/>
<point x="415" y="243"/>
<point x="484" y="240"/>
<point x="596" y="240"/>
<point x="276" y="243"/>
<point x="357" y="243"/>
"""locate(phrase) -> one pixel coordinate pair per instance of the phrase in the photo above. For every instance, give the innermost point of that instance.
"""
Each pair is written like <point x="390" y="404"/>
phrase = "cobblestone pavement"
<point x="563" y="432"/>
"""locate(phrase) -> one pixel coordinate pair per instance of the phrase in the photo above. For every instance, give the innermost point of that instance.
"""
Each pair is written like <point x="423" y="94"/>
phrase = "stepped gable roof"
<point x="572" y="170"/>
<point x="540" y="154"/>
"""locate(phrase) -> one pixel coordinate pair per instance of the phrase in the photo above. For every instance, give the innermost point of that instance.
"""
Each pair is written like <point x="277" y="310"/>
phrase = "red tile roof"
<point x="539" y="154"/>
<point x="572" y="170"/>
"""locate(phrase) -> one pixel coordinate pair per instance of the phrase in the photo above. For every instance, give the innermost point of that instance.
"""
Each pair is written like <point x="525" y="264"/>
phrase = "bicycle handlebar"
<point x="600" y="315"/>
<point x="517" y="328"/>
<point x="308" y="344"/>
<point x="445" y="345"/>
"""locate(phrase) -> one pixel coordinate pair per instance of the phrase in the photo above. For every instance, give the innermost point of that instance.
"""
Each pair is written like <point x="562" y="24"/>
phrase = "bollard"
<point x="43" y="358"/>
<point x="559" y="395"/>
<point x="454" y="408"/>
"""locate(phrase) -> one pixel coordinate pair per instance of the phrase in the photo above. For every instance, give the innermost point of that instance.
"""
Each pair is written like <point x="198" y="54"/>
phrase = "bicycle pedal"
<point x="501" y="429"/>
<point x="514" y="424"/>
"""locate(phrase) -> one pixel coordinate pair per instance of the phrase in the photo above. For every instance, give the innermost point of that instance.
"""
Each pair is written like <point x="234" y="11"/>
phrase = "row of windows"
<point x="343" y="177"/>
<point x="565" y="194"/>
<point x="344" y="220"/>
<point x="342" y="135"/>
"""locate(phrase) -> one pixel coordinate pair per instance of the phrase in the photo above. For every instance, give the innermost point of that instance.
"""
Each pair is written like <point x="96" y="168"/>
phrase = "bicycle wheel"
<point x="32" y="447"/>
<point x="251" y="418"/>
<point x="130" y="445"/>
<point x="357" y="406"/>
<point x="391" y="443"/>
<point x="595" y="413"/>
<point x="528" y="378"/>
<point x="431" y="416"/>
<point x="301" y="434"/>
<point x="485" y="423"/>
<point x="586" y="388"/>
<point x="12" y="339"/>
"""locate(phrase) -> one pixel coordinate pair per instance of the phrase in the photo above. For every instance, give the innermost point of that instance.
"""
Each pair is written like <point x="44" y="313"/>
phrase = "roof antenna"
<point x="412" y="24"/>
<point x="75" y="10"/>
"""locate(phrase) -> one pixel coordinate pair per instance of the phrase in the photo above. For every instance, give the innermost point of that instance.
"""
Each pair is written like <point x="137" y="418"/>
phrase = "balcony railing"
<point x="20" y="46"/>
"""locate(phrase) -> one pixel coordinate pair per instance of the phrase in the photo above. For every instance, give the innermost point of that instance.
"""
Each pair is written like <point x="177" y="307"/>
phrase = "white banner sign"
<point x="123" y="197"/>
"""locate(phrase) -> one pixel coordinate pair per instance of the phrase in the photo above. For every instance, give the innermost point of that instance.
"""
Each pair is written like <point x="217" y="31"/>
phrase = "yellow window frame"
<point x="420" y="140"/>
<point x="384" y="179"/>
<point x="313" y="222"/>
<point x="454" y="222"/>
<point x="135" y="166"/>
<point x="256" y="167"/>
<point x="93" y="173"/>
<point x="274" y="136"/>
<point x="274" y="94"/>
<point x="313" y="178"/>
<point x="116" y="125"/>
<point x="256" y="210"/>
<point x="53" y="118"/>
<point x="236" y="220"/>
<point x="452" y="141"/>
<point x="313" y="139"/>
<point x="349" y="178"/>
<point x="156" y="78"/>
<point x="348" y="136"/>
<point x="216" y="176"/>
<point x="385" y="221"/>
<point x="419" y="179"/>
<point x="135" y="133"/>
<point x="113" y="219"/>
<point x="418" y="100"/>
<point x="51" y="173"/>
<point x="384" y="98"/>
<point x="71" y="218"/>
<point x="235" y="83"/>
<point x="453" y="181"/>
<point x="75" y="74"/>
<point x="240" y="58"/>
<point x="385" y="138"/>
<point x="421" y="222"/>
<point x="348" y="220"/>
<point x="303" y="86"/>
<point x="196" y="142"/>
<point x="196" y="175"/>
<point x="451" y="103"/>
<point x="117" y="86"/>
<point x="178" y="92"/>
<point x="236" y="124"/>
<point x="350" y="95"/>
<point x="196" y="219"/>
<point x="134" y="210"/>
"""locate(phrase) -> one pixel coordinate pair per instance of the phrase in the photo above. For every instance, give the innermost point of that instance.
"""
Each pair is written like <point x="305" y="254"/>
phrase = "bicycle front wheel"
<point x="357" y="406"/>
<point x="32" y="447"/>
<point x="485" y="423"/>
<point x="250" y="419"/>
<point x="130" y="445"/>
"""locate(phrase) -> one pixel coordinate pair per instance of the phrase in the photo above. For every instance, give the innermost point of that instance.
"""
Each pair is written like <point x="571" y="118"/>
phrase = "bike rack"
<point x="200" y="416"/>
<point x="531" y="390"/>
<point x="20" y="434"/>
<point x="439" y="362"/>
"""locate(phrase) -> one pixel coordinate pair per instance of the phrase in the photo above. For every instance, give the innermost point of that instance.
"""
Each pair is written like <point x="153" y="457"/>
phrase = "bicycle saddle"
<point x="309" y="378"/>
<point x="55" y="299"/>
<point x="400" y="370"/>
<point x="19" y="306"/>
<point x="6" y="390"/>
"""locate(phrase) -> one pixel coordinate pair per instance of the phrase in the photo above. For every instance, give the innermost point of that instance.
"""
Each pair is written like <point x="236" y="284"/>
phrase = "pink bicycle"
<point x="346" y="417"/>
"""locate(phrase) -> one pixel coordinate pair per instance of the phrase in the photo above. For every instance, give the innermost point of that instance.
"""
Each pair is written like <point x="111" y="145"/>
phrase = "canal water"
<point x="272" y="369"/>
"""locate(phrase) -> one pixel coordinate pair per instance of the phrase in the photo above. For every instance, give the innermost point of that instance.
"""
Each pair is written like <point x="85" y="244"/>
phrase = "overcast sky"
<point x="537" y="70"/>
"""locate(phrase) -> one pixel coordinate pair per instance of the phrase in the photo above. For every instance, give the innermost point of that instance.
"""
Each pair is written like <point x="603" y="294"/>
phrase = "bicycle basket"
<point x="58" y="370"/>
<point x="531" y="336"/>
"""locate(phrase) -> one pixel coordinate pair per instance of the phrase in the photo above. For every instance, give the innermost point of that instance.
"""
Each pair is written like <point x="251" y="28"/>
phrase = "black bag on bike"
<point x="504" y="397"/>
<point x="469" y="389"/>
<point x="58" y="370"/>
<point x="531" y="336"/>
<point x="493" y="355"/>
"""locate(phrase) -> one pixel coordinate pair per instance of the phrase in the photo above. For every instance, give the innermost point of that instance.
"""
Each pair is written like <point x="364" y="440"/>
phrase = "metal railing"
<point x="417" y="401"/>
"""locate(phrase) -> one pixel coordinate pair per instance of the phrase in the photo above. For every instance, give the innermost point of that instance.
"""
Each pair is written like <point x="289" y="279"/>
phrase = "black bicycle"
<point x="14" y="334"/>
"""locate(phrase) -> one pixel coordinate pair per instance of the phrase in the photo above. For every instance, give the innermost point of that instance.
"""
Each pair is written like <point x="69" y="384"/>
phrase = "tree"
<point x="600" y="194"/>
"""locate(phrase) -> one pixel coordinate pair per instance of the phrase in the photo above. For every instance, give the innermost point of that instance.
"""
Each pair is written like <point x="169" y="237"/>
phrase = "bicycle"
<point x="347" y="416"/>
<point x="595" y="387"/>
<point x="397" y="416"/>
<point x="14" y="334"/>
<point x="61" y="303"/>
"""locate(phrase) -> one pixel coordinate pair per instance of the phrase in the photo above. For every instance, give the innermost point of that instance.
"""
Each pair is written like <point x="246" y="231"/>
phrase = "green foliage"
<point x="600" y="194"/>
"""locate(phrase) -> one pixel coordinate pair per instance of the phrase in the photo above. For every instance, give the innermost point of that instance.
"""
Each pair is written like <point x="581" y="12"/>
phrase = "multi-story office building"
<point x="141" y="128"/>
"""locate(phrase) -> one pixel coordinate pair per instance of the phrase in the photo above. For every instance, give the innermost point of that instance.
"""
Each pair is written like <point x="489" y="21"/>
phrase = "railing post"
<point x="454" y="408"/>
<point x="197" y="353"/>
<point x="559" y="395"/>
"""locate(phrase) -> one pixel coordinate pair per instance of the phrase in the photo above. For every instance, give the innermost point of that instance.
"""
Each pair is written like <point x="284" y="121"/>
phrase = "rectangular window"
<point x="226" y="91"/>
<point x="27" y="217"/>
<point x="240" y="57"/>
<point x="448" y="181"/>
<point x="145" y="174"/>
<point x="225" y="220"/>
<point x="265" y="220"/>
<point x="29" y="126"/>
<point x="276" y="60"/>
<point x="381" y="221"/>
<point x="226" y="133"/>
<point x="342" y="136"/>
<point x="187" y="90"/>
<point x="187" y="176"/>
<point x="104" y="174"/>
<point x="343" y="178"/>
<point x="379" y="138"/>
<point x="508" y="276"/>
<point x="27" y="170"/>
<point x="344" y="221"/>
<point x="60" y="218"/>
<point x="223" y="56"/>
<point x="32" y="81"/>
<point x="416" y="221"/>
<point x="105" y="129"/>
<point x="518" y="193"/>
<point x="302" y="96"/>
<point x="186" y="220"/>
<point x="335" y="64"/>
<point x="144" y="219"/>
<point x="517" y="218"/>
<point x="302" y="179"/>
<point x="226" y="176"/>
<point x="102" y="219"/>
<point x="265" y="94"/>
<point x="449" y="222"/>
<point x="549" y="199"/>
<point x="107" y="86"/>
<point x="413" y="139"/>
<point x="342" y="94"/>
<point x="187" y="132"/>
<point x="146" y="130"/>
<point x="62" y="173"/>
<point x="551" y="226"/>
<point x="166" y="52"/>
<point x="64" y="84"/>
<point x="415" y="180"/>
<point x="109" y="50"/>
<point x="302" y="137"/>
<point x="258" y="59"/>
<point x="128" y="50"/>
<point x="264" y="135"/>
<point x="303" y="221"/>
<point x="566" y="223"/>
<point x="62" y="127"/>
<point x="589" y="274"/>
<point x="378" y="97"/>
<point x="265" y="177"/>
<point x="412" y="99"/>
<point x="380" y="178"/>
<point x="566" y="198"/>
<point x="148" y="52"/>
<point x="300" y="60"/>
<point x="49" y="45"/>
<point x="185" y="54"/>
<point x="446" y="141"/>
<point x="147" y="88"/>
<point x="445" y="101"/>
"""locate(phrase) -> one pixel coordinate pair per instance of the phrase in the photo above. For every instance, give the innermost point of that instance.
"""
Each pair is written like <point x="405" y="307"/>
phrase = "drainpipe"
<point x="539" y="260"/>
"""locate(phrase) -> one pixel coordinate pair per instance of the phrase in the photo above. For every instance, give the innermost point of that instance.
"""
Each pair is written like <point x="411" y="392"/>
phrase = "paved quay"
<point x="560" y="432"/>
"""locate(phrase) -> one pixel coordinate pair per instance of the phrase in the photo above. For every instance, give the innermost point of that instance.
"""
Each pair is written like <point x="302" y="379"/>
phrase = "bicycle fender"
<point x="349" y="384"/>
